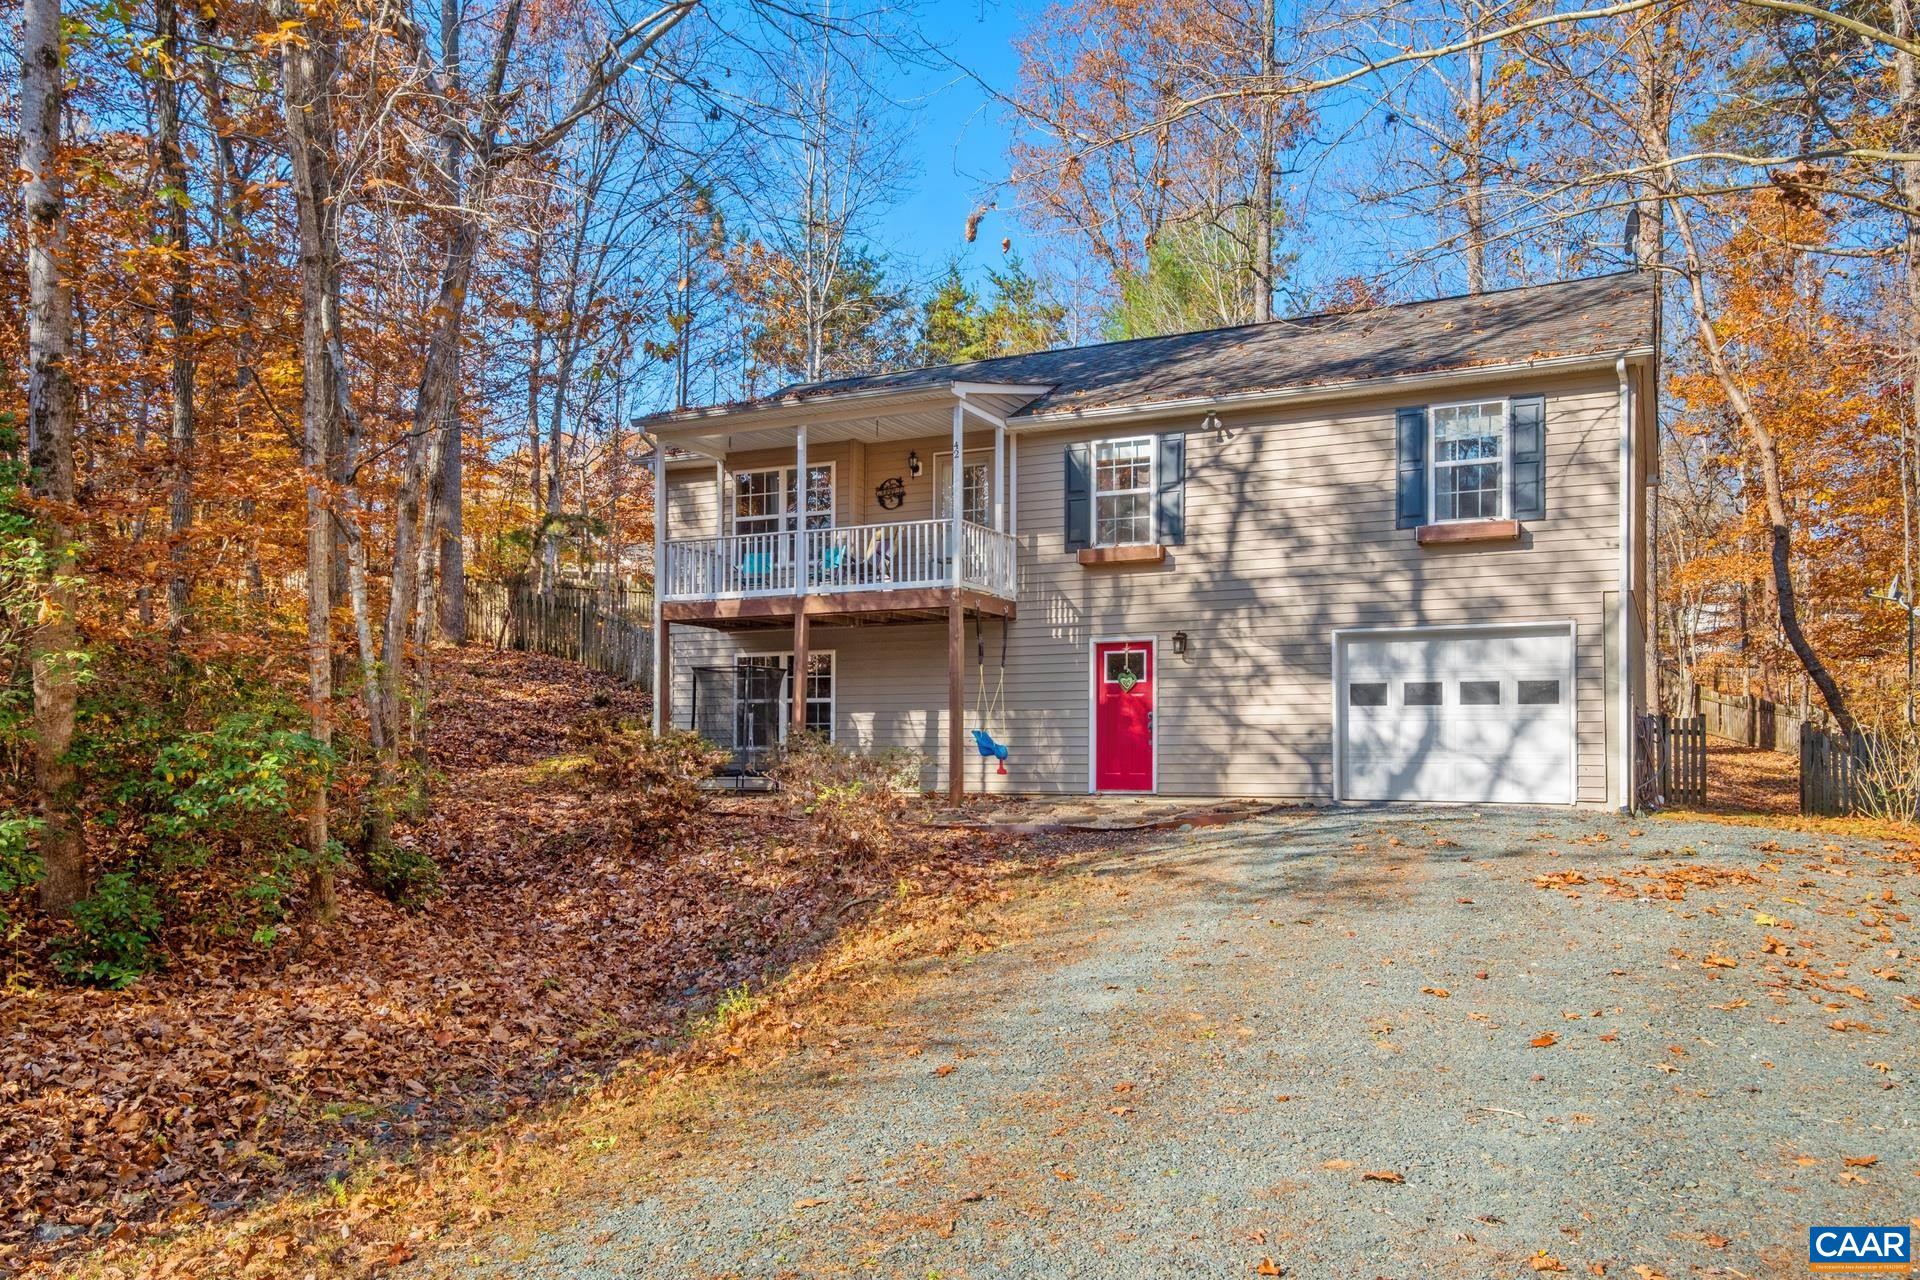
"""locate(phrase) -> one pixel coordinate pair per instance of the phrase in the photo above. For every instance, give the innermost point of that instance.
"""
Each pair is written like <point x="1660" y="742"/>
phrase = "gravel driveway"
<point x="1354" y="1043"/>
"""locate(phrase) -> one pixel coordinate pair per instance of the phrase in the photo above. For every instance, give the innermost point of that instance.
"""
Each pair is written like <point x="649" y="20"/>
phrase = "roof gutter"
<point x="1343" y="390"/>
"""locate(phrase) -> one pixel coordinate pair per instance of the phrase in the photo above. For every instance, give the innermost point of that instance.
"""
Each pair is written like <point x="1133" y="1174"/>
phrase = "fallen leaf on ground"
<point x="1438" y="993"/>
<point x="1544" y="1040"/>
<point x="944" y="1071"/>
<point x="1268" y="1267"/>
<point x="811" y="1202"/>
<point x="1862" y="1162"/>
<point x="1544" y="1261"/>
<point x="1382" y="1175"/>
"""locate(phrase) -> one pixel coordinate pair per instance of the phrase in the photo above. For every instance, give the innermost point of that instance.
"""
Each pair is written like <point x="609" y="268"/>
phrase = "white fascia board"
<point x="1053" y="419"/>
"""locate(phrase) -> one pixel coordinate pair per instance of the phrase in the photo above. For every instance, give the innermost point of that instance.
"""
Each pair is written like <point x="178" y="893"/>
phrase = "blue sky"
<point x="959" y="138"/>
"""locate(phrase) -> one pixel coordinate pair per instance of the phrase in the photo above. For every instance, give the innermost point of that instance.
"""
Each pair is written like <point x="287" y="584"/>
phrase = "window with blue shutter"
<point x="1527" y="419"/>
<point x="1079" y="496"/>
<point x="1410" y="504"/>
<point x="1170" y="491"/>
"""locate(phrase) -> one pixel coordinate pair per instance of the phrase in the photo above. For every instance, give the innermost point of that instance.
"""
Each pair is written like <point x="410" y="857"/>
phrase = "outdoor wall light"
<point x="1180" y="644"/>
<point x="913" y="464"/>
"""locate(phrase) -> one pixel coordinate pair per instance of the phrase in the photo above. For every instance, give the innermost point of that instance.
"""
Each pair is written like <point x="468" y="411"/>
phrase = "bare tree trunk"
<point x="227" y="183"/>
<point x="1767" y="459"/>
<point x="1907" y="102"/>
<point x="307" y="69"/>
<point x="452" y="522"/>
<point x="173" y="166"/>
<point x="536" y="443"/>
<point x="1474" y="177"/>
<point x="1263" y="177"/>
<point x="50" y="431"/>
<point x="425" y="433"/>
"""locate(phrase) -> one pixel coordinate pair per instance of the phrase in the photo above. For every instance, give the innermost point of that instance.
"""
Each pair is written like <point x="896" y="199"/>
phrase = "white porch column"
<point x="1000" y="476"/>
<point x="957" y="490"/>
<point x="719" y="499"/>
<point x="662" y="650"/>
<point x="1013" y="488"/>
<point x="800" y="516"/>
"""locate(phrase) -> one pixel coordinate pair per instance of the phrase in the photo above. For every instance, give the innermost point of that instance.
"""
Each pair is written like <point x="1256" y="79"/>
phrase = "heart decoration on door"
<point x="1126" y="680"/>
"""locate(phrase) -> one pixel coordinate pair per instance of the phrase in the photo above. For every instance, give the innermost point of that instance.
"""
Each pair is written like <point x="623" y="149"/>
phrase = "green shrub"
<point x="115" y="930"/>
<point x="19" y="861"/>
<point x="199" y="776"/>
<point x="407" y="876"/>
<point x="856" y="802"/>
<point x="652" y="781"/>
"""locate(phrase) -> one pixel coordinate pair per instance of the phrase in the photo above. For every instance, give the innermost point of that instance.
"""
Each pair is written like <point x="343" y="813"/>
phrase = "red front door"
<point x="1123" y="716"/>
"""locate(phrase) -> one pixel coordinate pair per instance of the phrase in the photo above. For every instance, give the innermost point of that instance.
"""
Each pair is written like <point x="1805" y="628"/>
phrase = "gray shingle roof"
<point x="1600" y="315"/>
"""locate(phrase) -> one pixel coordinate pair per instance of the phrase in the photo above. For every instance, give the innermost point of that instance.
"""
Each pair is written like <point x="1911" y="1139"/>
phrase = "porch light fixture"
<point x="913" y="463"/>
<point x="1180" y="644"/>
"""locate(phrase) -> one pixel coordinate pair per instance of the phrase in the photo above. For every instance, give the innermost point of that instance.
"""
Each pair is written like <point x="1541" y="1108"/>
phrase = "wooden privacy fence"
<point x="1833" y="772"/>
<point x="1755" y="722"/>
<point x="599" y="626"/>
<point x="1673" y="760"/>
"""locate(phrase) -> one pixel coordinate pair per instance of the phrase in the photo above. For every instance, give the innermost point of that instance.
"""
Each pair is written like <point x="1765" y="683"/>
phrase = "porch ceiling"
<point x="898" y="415"/>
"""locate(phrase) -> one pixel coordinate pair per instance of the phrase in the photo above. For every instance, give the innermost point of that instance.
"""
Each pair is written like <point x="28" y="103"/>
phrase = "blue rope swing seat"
<point x="983" y="741"/>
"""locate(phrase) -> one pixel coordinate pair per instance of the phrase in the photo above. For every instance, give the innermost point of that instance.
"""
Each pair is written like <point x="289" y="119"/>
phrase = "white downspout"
<point x="1623" y="654"/>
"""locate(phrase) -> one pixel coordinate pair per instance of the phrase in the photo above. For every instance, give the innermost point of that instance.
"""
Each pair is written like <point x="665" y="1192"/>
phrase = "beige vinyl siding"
<point x="1290" y="536"/>
<point x="692" y="507"/>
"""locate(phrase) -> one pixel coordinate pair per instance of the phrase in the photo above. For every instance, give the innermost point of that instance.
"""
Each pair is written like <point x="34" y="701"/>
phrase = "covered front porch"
<point x="772" y="552"/>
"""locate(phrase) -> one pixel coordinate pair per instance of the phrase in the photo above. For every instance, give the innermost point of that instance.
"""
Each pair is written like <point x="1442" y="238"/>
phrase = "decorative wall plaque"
<point x="890" y="493"/>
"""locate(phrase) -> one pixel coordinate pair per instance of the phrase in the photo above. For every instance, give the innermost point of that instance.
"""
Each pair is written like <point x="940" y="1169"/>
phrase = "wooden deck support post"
<point x="798" y="681"/>
<point x="662" y="675"/>
<point x="662" y="650"/>
<point x="956" y="701"/>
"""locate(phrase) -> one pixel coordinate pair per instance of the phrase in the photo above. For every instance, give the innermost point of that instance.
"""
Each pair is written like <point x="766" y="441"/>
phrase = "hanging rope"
<point x="989" y="707"/>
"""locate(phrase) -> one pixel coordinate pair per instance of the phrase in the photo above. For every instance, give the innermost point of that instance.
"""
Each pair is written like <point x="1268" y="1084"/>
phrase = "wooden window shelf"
<point x="1430" y="535"/>
<point x="1150" y="554"/>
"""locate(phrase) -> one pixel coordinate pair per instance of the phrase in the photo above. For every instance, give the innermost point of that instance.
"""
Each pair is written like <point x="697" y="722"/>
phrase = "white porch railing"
<point x="898" y="555"/>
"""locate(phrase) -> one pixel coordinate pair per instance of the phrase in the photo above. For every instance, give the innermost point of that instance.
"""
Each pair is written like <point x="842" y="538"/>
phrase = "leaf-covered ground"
<point x="550" y="956"/>
<point x="1744" y="779"/>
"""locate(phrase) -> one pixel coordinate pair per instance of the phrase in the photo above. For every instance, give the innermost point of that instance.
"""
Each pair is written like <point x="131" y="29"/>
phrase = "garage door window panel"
<point x="1479" y="693"/>
<point x="1422" y="693"/>
<point x="1367" y="693"/>
<point x="1538" y="693"/>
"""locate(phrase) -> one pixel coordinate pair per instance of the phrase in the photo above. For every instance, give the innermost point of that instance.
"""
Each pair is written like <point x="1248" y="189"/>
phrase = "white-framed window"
<point x="976" y="487"/>
<point x="1470" y="452"/>
<point x="818" y="691"/>
<point x="1123" y="491"/>
<point x="764" y="500"/>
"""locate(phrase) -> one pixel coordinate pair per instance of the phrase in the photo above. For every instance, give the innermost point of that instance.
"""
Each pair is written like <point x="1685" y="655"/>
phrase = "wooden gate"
<point x="1673" y="760"/>
<point x="1832" y="772"/>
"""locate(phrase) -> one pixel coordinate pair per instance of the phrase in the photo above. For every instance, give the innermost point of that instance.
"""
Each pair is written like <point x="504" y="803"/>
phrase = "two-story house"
<point x="1398" y="554"/>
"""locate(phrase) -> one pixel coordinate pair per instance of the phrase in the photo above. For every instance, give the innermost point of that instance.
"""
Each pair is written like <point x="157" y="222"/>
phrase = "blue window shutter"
<point x="1079" y="496"/>
<point x="1527" y="419"/>
<point x="1410" y="506"/>
<point x="1170" y="491"/>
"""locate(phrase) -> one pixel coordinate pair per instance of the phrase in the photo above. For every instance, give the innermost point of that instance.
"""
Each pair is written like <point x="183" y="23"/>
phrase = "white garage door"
<point x="1457" y="716"/>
